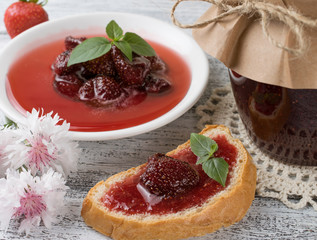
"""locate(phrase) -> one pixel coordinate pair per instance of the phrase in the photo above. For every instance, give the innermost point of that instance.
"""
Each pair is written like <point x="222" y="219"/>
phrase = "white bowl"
<point x="149" y="28"/>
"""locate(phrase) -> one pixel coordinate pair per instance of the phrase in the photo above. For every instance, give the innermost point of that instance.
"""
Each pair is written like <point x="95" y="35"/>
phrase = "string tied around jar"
<point x="266" y="13"/>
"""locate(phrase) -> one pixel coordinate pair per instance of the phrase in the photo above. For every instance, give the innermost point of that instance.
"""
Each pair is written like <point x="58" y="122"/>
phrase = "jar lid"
<point x="240" y="43"/>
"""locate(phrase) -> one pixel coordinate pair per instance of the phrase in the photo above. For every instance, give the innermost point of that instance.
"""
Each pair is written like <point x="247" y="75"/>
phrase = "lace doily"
<point x="294" y="185"/>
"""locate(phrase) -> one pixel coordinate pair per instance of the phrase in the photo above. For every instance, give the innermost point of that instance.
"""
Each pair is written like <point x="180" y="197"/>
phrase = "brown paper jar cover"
<point x="238" y="41"/>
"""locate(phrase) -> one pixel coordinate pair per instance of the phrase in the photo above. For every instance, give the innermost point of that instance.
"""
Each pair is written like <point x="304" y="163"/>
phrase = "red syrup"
<point x="125" y="196"/>
<point x="30" y="85"/>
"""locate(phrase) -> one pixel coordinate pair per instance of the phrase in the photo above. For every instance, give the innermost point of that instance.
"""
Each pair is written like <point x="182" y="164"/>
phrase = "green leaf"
<point x="95" y="47"/>
<point x="42" y="3"/>
<point x="10" y="124"/>
<point x="217" y="169"/>
<point x="114" y="31"/>
<point x="89" y="49"/>
<point x="138" y="44"/>
<point x="202" y="145"/>
<point x="125" y="48"/>
<point x="204" y="148"/>
<point x="202" y="159"/>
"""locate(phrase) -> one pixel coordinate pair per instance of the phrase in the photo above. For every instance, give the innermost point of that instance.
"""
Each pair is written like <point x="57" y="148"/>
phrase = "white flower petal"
<point x="42" y="144"/>
<point x="48" y="191"/>
<point x="9" y="197"/>
<point x="28" y="224"/>
<point x="8" y="137"/>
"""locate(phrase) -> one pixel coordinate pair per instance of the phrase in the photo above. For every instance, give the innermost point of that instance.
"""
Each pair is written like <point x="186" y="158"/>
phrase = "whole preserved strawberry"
<point x="72" y="42"/>
<point x="103" y="65"/>
<point x="101" y="90"/>
<point x="130" y="72"/>
<point x="156" y="83"/>
<point x="68" y="85"/>
<point x="60" y="65"/>
<point x="168" y="177"/>
<point x="157" y="64"/>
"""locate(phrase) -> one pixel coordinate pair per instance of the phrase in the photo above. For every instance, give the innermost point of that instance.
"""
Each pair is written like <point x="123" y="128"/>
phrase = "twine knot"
<point x="266" y="12"/>
<point x="249" y="7"/>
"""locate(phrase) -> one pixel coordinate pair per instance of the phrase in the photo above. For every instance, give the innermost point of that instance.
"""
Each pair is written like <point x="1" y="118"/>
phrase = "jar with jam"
<point x="275" y="87"/>
<point x="281" y="121"/>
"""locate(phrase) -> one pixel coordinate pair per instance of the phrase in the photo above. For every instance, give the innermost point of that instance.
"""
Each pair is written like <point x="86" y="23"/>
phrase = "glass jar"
<point x="282" y="122"/>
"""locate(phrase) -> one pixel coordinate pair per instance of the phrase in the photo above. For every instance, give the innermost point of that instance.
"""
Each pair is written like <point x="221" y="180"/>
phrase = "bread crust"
<point x="224" y="209"/>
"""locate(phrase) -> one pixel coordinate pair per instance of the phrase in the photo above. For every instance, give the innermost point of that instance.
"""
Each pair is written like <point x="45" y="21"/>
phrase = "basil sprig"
<point x="204" y="148"/>
<point x="97" y="46"/>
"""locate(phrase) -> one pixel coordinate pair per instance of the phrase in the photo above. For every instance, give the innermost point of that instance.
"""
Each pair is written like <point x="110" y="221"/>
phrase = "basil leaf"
<point x="213" y="148"/>
<point x="125" y="48"/>
<point x="202" y="145"/>
<point x="203" y="159"/>
<point x="217" y="169"/>
<point x="89" y="49"/>
<point x="138" y="44"/>
<point x="114" y="31"/>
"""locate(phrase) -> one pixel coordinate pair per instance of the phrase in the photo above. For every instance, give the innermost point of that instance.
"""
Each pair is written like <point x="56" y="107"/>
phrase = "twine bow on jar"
<point x="266" y="12"/>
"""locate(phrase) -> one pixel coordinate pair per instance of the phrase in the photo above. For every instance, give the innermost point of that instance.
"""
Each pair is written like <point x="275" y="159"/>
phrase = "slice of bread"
<point x="223" y="209"/>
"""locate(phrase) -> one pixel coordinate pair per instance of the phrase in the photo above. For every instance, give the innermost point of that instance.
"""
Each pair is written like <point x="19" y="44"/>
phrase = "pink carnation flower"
<point x="44" y="144"/>
<point x="31" y="199"/>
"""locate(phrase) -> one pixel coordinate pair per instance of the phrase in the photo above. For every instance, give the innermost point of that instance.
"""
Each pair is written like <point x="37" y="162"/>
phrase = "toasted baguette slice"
<point x="223" y="209"/>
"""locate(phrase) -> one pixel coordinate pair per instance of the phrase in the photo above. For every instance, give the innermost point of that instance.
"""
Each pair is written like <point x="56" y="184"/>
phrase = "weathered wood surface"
<point x="266" y="219"/>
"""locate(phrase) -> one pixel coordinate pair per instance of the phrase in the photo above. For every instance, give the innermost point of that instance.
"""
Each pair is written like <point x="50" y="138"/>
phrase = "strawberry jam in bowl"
<point x="114" y="95"/>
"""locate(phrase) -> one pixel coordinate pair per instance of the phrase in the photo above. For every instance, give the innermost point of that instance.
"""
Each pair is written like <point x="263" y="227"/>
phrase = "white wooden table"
<point x="266" y="219"/>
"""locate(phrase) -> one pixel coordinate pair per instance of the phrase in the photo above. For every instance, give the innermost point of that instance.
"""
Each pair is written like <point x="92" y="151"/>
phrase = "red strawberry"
<point x="68" y="85"/>
<point x="168" y="177"/>
<point x="23" y="15"/>
<point x="157" y="64"/>
<point x="103" y="65"/>
<point x="130" y="72"/>
<point x="72" y="42"/>
<point x="60" y="64"/>
<point x="156" y="83"/>
<point x="101" y="90"/>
